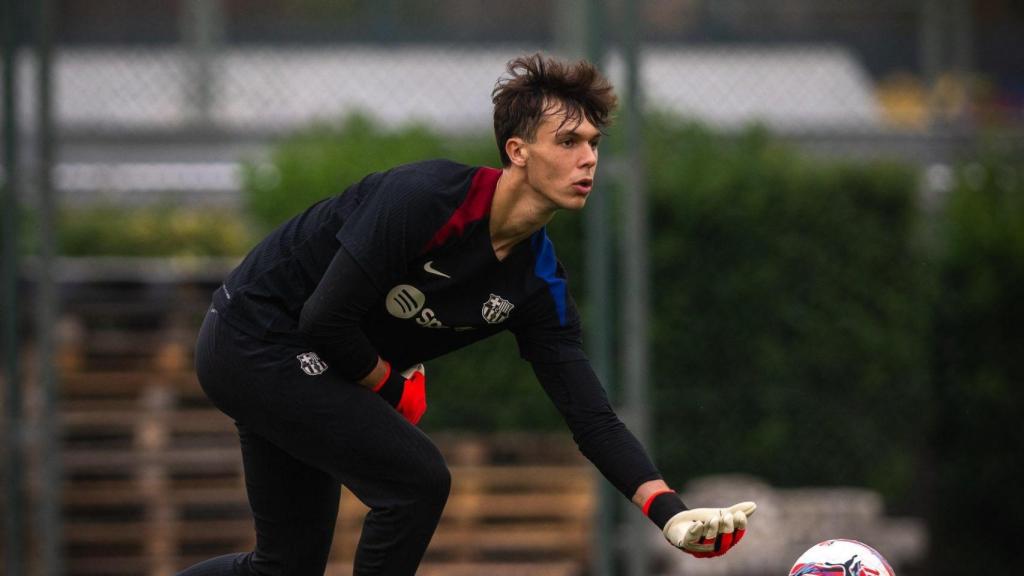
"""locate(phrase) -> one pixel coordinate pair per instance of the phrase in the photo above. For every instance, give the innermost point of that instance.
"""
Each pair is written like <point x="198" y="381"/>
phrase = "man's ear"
<point x="517" y="151"/>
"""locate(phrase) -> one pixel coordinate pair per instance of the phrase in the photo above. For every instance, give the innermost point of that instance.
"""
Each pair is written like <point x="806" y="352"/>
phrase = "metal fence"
<point x="916" y="78"/>
<point x="188" y="82"/>
<point x="905" y="66"/>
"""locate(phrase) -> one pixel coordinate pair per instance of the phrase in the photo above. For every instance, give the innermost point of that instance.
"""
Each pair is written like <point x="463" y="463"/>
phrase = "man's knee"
<point x="434" y="479"/>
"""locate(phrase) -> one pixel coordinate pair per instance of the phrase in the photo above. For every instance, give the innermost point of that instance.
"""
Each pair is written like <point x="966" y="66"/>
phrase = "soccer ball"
<point x="841" y="558"/>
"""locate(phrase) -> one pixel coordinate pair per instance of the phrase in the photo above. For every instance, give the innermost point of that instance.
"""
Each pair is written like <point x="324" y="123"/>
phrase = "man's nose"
<point x="589" y="156"/>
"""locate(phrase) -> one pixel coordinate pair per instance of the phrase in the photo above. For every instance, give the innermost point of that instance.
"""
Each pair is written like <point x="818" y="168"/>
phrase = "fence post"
<point x="635" y="299"/>
<point x="14" y="541"/>
<point x="49" y="520"/>
<point x="202" y="30"/>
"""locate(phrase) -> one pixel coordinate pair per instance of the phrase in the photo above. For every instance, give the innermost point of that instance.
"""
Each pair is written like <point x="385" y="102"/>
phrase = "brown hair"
<point x="535" y="84"/>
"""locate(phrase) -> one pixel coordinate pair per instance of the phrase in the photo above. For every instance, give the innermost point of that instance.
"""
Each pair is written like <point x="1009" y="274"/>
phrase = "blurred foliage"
<point x="790" y="313"/>
<point x="112" y="230"/>
<point x="326" y="159"/>
<point x="978" y="367"/>
<point x="485" y="387"/>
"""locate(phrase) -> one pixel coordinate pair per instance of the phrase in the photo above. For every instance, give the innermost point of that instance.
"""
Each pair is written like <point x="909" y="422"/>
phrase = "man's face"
<point x="562" y="159"/>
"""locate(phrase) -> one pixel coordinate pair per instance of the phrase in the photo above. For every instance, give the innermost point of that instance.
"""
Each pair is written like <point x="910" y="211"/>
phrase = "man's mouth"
<point x="583" y="185"/>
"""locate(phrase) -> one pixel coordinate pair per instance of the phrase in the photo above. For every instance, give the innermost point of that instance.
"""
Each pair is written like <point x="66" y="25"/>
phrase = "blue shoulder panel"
<point x="545" y="267"/>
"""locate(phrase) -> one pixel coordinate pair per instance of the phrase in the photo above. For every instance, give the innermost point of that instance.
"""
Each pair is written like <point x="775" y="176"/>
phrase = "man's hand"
<point x="709" y="532"/>
<point x="407" y="392"/>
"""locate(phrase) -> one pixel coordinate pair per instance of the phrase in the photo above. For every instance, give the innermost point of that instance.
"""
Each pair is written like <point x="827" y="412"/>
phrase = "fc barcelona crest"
<point x="496" y="309"/>
<point x="312" y="364"/>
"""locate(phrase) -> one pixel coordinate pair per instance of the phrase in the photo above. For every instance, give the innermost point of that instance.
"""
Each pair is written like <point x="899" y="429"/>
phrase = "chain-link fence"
<point x="915" y="79"/>
<point x="796" y="66"/>
<point x="269" y="91"/>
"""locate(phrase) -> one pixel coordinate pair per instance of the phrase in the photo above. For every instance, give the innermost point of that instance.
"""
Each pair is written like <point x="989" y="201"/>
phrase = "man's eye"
<point x="567" y="143"/>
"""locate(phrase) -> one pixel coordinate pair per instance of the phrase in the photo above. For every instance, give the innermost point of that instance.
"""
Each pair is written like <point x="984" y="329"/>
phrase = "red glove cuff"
<point x="662" y="506"/>
<point x="650" y="499"/>
<point x="407" y="395"/>
<point x="414" y="398"/>
<point x="384" y="380"/>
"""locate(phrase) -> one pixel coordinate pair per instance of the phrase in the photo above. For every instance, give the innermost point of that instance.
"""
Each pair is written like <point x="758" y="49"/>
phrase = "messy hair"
<point x="537" y="85"/>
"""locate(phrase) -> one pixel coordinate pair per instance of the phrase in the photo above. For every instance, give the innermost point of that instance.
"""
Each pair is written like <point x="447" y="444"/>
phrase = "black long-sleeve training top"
<point x="401" y="265"/>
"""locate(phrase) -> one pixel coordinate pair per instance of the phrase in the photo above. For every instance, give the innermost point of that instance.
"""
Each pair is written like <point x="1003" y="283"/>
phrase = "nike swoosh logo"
<point x="430" y="268"/>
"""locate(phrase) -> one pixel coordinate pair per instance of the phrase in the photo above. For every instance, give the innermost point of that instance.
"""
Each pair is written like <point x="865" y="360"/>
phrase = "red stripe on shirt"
<point x="474" y="207"/>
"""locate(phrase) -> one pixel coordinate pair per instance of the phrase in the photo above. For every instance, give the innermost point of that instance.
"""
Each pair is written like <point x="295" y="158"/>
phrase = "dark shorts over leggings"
<point x="302" y="436"/>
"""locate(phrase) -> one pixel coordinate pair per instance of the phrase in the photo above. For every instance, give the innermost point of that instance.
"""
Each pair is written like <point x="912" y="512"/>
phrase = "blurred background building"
<point x="167" y="123"/>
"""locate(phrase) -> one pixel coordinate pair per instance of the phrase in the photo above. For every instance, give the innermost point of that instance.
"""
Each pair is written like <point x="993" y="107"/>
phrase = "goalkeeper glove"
<point x="406" y="391"/>
<point x="709" y="532"/>
<point x="702" y="532"/>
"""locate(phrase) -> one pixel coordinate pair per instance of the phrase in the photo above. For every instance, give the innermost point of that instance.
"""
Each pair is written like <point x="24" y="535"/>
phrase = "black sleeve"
<point x="597" y="430"/>
<point x="551" y="331"/>
<point x="331" y="317"/>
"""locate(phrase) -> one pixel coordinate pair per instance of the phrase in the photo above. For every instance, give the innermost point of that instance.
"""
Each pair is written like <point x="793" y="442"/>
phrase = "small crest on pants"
<point x="312" y="364"/>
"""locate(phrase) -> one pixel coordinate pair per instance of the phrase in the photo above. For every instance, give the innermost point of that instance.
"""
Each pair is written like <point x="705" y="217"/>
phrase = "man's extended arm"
<point x="601" y="436"/>
<point x="604" y="440"/>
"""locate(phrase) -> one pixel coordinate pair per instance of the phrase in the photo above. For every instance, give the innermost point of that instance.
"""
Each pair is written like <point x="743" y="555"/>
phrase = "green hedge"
<point x="978" y="366"/>
<point x="790" y="313"/>
<point x="325" y="159"/>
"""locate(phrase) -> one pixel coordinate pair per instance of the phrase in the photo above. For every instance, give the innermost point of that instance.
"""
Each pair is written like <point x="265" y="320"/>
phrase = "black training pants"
<point x="302" y="436"/>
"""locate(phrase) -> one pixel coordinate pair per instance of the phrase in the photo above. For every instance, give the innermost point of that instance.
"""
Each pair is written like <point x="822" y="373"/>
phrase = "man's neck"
<point x="517" y="211"/>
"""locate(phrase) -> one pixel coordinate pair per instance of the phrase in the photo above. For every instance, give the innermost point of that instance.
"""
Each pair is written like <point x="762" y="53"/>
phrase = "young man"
<point x="306" y="341"/>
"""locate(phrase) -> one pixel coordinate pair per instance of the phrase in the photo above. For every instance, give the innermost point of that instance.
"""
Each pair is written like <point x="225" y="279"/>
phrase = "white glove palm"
<point x="708" y="532"/>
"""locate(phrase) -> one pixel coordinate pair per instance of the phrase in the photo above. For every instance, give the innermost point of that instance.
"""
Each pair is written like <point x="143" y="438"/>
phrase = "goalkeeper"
<point x="314" y="344"/>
